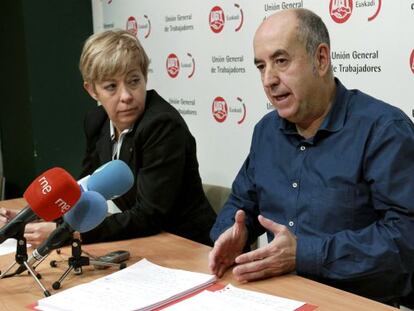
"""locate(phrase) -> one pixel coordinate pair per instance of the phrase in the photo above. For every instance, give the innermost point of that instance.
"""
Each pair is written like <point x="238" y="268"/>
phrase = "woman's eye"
<point x="110" y="87"/>
<point x="134" y="81"/>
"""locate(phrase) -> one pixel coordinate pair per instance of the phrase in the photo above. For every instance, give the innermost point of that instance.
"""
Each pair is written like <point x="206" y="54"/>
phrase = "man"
<point x="328" y="176"/>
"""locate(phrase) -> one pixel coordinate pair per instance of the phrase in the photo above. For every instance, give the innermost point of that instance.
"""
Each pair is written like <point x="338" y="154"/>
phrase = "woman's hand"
<point x="6" y="215"/>
<point x="36" y="232"/>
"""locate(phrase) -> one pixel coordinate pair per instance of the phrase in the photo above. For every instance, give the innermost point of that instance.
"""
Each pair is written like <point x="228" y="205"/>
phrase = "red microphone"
<point x="49" y="196"/>
<point x="52" y="194"/>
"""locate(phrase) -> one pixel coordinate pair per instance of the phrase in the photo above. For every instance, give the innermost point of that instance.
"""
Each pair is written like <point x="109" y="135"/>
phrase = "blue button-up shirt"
<point x="347" y="194"/>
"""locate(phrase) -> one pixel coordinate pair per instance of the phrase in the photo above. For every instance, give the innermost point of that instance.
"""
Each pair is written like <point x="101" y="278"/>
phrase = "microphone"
<point x="111" y="180"/>
<point x="49" y="196"/>
<point x="88" y="213"/>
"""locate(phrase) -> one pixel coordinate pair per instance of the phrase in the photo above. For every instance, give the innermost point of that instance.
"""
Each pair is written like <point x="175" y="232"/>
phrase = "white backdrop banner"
<point x="202" y="61"/>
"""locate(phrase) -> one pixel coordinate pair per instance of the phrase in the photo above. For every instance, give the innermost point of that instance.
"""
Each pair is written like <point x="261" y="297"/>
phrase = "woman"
<point x="146" y="132"/>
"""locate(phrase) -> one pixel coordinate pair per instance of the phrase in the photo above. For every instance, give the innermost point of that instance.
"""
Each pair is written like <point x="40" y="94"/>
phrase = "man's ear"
<point x="90" y="88"/>
<point x="323" y="59"/>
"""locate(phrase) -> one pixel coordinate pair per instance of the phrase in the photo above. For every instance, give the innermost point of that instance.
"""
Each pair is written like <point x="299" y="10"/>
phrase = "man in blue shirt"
<point x="329" y="176"/>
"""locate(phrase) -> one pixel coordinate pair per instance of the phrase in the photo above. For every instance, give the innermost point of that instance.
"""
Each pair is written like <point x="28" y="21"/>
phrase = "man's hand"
<point x="36" y="232"/>
<point x="276" y="258"/>
<point x="228" y="246"/>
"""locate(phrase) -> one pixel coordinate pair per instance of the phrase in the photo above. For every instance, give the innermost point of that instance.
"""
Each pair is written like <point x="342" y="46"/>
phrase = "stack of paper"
<point x="237" y="299"/>
<point x="142" y="286"/>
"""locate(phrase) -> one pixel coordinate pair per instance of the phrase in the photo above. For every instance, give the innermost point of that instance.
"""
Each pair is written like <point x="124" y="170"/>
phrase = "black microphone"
<point x="49" y="196"/>
<point x="88" y="213"/>
<point x="109" y="181"/>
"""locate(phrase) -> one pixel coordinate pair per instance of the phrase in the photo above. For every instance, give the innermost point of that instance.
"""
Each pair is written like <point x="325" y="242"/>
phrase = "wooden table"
<point x="175" y="252"/>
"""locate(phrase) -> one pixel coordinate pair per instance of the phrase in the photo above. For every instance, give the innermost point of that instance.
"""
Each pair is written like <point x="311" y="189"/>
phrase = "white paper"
<point x="236" y="299"/>
<point x="133" y="288"/>
<point x="9" y="246"/>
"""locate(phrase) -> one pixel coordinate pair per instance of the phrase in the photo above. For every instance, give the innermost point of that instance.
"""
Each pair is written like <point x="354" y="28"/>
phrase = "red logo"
<point x="244" y="111"/>
<point x="132" y="25"/>
<point x="412" y="61"/>
<point x="173" y="65"/>
<point x="216" y="19"/>
<point x="376" y="12"/>
<point x="219" y="109"/>
<point x="149" y="27"/>
<point x="241" y="17"/>
<point x="191" y="74"/>
<point x="340" y="10"/>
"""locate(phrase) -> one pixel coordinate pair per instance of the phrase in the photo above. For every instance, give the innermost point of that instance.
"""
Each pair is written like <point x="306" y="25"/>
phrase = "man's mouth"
<point x="280" y="97"/>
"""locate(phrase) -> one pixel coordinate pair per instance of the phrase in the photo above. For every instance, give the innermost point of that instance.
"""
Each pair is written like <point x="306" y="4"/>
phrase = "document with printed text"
<point x="142" y="286"/>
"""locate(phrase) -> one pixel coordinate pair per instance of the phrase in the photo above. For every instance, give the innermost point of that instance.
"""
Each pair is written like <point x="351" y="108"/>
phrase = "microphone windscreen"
<point x="112" y="179"/>
<point x="88" y="213"/>
<point x="83" y="183"/>
<point x="52" y="194"/>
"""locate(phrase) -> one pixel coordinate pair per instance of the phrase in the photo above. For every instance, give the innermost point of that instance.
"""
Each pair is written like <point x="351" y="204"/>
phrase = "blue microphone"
<point x="111" y="180"/>
<point x="91" y="211"/>
<point x="88" y="213"/>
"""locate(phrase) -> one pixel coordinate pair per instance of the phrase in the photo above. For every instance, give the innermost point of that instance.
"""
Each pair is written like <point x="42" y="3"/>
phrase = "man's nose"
<point x="270" y="77"/>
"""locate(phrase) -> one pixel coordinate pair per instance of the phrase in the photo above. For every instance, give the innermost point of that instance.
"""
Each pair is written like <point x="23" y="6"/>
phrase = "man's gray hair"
<point x="312" y="30"/>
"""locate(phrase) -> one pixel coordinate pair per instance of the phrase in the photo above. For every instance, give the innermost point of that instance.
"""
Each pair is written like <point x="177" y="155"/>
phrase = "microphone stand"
<point x="77" y="261"/>
<point x="21" y="259"/>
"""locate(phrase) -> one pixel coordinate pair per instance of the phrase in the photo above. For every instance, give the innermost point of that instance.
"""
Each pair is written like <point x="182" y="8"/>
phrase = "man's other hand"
<point x="276" y="258"/>
<point x="228" y="246"/>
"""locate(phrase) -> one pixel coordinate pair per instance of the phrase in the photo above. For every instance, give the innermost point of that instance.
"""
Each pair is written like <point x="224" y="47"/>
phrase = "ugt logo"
<point x="340" y="10"/>
<point x="412" y="61"/>
<point x="173" y="65"/>
<point x="219" y="109"/>
<point x="132" y="25"/>
<point x="216" y="19"/>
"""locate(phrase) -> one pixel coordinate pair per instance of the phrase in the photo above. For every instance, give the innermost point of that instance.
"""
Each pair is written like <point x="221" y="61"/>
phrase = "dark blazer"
<point x="167" y="194"/>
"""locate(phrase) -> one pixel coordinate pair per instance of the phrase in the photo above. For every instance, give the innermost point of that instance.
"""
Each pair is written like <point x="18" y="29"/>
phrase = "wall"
<point x="202" y="61"/>
<point x="42" y="103"/>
